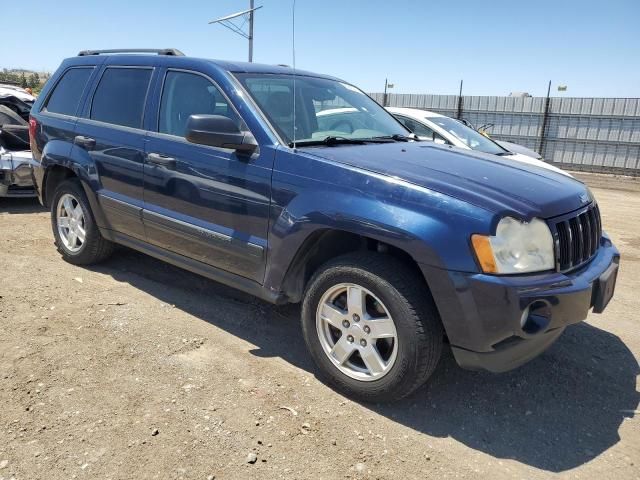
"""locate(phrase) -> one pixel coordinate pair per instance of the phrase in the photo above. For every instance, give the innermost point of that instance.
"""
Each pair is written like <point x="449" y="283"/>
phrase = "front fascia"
<point x="479" y="311"/>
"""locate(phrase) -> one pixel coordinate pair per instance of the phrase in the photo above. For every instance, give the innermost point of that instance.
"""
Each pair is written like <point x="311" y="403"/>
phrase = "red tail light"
<point x="33" y="124"/>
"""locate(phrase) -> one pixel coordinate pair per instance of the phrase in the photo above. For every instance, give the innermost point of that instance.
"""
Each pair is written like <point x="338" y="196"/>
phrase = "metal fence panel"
<point x="594" y="134"/>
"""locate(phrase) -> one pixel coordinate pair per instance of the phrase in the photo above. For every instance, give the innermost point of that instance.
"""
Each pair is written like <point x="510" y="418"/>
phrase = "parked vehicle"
<point x="449" y="131"/>
<point x="11" y="102"/>
<point x="512" y="147"/>
<point x="517" y="148"/>
<point x="18" y="92"/>
<point x="393" y="246"/>
<point x="16" y="159"/>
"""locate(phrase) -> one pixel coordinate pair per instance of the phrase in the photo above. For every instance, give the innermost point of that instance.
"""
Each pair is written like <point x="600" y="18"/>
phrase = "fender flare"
<point x="59" y="153"/>
<point x="396" y="226"/>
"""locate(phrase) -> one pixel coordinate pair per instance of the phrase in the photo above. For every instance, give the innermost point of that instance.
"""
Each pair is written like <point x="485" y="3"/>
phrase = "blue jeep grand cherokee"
<point x="393" y="246"/>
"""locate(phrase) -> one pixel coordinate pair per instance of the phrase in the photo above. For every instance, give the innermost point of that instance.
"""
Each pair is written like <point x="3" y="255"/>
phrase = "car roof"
<point x="414" y="112"/>
<point x="228" y="65"/>
<point x="247" y="67"/>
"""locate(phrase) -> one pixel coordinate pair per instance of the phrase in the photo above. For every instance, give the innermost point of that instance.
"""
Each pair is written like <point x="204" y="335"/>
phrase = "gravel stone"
<point x="252" y="458"/>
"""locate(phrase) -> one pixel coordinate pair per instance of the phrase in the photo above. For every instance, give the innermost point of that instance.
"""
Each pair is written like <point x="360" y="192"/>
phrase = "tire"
<point x="94" y="248"/>
<point x="390" y="291"/>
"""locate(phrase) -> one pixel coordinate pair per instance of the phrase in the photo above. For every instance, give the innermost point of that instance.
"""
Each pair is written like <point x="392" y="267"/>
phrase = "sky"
<point x="421" y="46"/>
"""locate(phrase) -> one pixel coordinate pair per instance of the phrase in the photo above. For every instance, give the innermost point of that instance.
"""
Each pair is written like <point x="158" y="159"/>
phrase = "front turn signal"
<point x="484" y="253"/>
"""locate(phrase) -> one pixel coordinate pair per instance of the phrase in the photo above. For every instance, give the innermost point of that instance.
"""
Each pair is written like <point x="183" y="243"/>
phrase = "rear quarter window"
<point x="66" y="95"/>
<point x="120" y="96"/>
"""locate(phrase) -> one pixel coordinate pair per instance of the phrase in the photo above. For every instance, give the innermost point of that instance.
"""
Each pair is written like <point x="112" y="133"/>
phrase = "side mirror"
<point x="219" y="131"/>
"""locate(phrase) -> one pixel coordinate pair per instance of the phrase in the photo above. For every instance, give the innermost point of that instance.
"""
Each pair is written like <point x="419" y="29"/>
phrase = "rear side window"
<point x="66" y="95"/>
<point x="120" y="96"/>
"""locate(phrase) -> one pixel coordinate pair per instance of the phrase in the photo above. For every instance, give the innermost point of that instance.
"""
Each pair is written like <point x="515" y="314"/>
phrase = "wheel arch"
<point x="325" y="244"/>
<point x="56" y="173"/>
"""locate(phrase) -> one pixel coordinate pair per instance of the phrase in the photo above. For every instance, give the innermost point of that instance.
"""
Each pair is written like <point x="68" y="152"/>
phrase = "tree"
<point x="34" y="80"/>
<point x="23" y="80"/>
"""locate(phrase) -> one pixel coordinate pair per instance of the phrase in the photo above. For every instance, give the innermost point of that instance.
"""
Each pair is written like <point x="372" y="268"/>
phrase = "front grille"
<point x="577" y="238"/>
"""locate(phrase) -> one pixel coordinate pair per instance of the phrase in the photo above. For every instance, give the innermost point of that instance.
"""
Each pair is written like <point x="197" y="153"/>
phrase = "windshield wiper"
<point x="333" y="140"/>
<point x="398" y="137"/>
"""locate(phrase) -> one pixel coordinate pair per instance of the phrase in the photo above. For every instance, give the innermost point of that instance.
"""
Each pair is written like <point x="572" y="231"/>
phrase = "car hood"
<point x="539" y="163"/>
<point x="24" y="96"/>
<point x="494" y="183"/>
<point x="516" y="148"/>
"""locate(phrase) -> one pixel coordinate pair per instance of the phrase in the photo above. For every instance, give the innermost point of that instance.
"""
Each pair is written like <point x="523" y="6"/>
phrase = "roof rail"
<point x="160" y="51"/>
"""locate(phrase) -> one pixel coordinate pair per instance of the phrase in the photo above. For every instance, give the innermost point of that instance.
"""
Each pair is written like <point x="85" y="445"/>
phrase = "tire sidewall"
<point x="405" y="363"/>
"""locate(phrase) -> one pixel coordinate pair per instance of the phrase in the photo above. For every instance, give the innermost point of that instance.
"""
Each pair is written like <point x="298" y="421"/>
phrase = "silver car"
<point x="15" y="156"/>
<point x="15" y="173"/>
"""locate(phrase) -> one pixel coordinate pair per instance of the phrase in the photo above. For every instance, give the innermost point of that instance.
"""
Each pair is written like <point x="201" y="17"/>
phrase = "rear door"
<point x="205" y="203"/>
<point x="111" y="132"/>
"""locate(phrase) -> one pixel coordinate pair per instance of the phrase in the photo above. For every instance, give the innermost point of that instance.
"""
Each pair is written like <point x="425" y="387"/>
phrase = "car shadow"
<point x="558" y="412"/>
<point x="20" y="205"/>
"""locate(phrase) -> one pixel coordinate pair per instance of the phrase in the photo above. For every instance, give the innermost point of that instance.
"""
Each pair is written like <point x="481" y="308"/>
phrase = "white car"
<point x="445" y="130"/>
<point x="17" y="92"/>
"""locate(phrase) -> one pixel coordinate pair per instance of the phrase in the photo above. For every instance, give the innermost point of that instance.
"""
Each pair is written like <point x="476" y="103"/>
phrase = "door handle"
<point x="162" y="160"/>
<point x="87" y="143"/>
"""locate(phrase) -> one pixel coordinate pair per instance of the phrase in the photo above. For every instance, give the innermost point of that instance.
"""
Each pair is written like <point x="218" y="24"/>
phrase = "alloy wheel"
<point x="357" y="332"/>
<point x="71" y="223"/>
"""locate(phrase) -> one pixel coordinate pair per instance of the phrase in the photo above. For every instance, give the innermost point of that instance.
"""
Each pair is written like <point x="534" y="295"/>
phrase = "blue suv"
<point x="394" y="247"/>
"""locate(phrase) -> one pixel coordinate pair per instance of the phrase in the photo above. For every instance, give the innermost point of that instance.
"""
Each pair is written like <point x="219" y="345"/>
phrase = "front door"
<point x="209" y="204"/>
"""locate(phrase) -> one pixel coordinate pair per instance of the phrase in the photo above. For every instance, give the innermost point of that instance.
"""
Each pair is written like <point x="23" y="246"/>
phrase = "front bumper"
<point x="498" y="323"/>
<point x="16" y="178"/>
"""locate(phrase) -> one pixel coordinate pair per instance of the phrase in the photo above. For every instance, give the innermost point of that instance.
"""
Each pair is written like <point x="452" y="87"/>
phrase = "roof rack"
<point x="160" y="51"/>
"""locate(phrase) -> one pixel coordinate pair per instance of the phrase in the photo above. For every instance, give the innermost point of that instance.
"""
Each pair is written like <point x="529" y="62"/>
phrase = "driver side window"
<point x="185" y="94"/>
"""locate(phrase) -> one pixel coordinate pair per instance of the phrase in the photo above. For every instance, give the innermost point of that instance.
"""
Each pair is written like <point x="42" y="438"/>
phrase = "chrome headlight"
<point x="517" y="247"/>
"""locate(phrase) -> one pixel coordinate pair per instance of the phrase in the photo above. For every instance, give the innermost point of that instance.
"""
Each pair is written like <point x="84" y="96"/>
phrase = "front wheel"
<point x="371" y="327"/>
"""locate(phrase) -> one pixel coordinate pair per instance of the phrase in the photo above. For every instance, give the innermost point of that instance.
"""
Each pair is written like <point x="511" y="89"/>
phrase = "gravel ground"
<point x="136" y="369"/>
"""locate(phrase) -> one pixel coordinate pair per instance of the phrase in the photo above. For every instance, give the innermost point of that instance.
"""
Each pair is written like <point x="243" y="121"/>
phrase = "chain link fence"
<point x="588" y="134"/>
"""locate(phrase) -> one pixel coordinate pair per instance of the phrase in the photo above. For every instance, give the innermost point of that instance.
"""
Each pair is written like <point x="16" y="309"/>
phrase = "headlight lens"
<point x="517" y="247"/>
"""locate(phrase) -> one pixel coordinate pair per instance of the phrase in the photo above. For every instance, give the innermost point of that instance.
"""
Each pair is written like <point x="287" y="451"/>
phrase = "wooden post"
<point x="545" y="121"/>
<point x="460" y="102"/>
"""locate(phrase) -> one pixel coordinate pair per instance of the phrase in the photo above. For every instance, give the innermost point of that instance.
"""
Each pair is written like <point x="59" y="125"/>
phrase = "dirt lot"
<point x="136" y="369"/>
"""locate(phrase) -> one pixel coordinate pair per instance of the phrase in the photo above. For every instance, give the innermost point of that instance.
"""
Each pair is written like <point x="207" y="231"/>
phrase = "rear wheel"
<point x="76" y="233"/>
<point x="371" y="327"/>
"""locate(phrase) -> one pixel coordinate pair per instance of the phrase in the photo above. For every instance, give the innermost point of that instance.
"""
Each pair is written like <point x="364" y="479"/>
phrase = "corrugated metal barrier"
<point x="589" y="134"/>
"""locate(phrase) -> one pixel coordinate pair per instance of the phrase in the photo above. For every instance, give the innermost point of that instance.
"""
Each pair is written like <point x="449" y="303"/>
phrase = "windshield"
<point x="324" y="109"/>
<point x="471" y="138"/>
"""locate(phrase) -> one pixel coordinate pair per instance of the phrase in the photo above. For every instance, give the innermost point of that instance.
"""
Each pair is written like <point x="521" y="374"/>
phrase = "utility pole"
<point x="251" y="9"/>
<point x="227" y="22"/>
